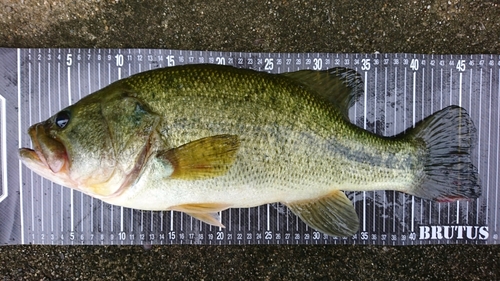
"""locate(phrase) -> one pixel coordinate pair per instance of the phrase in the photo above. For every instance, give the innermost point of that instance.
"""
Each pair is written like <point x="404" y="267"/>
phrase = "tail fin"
<point x="449" y="135"/>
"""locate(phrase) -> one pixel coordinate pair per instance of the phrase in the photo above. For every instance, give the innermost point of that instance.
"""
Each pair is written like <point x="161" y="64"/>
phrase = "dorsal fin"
<point x="339" y="86"/>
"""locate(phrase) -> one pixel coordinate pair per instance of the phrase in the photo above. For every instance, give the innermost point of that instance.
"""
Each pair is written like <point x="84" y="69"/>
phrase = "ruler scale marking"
<point x="31" y="172"/>
<point x="479" y="132"/>
<point x="498" y="152"/>
<point x="487" y="193"/>
<point x="404" y="213"/>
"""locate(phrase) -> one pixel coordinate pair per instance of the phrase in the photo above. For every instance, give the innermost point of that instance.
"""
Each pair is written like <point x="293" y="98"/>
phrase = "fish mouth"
<point x="48" y="157"/>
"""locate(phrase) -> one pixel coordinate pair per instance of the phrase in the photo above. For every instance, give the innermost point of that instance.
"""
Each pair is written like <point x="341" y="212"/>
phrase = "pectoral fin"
<point x="205" y="212"/>
<point x="332" y="214"/>
<point x="203" y="158"/>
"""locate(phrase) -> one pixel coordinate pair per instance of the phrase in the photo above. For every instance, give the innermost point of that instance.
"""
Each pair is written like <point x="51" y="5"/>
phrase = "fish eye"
<point x="62" y="119"/>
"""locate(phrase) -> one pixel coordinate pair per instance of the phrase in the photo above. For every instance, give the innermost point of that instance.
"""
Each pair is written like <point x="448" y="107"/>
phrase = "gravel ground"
<point x="429" y="26"/>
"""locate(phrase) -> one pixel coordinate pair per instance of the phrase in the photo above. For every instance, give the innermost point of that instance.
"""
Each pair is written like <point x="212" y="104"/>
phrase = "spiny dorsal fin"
<point x="203" y="158"/>
<point x="332" y="214"/>
<point x="339" y="86"/>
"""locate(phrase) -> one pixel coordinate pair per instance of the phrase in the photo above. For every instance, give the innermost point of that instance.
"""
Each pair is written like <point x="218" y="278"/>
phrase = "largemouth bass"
<point x="203" y="138"/>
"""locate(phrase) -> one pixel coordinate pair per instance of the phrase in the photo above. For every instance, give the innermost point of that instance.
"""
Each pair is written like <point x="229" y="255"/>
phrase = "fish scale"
<point x="195" y="105"/>
<point x="400" y="94"/>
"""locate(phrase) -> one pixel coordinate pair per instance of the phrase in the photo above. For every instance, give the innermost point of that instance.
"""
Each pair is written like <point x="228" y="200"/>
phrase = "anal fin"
<point x="332" y="214"/>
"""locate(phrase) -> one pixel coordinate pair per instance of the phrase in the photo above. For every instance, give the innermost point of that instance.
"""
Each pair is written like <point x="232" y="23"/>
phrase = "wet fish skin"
<point x="204" y="138"/>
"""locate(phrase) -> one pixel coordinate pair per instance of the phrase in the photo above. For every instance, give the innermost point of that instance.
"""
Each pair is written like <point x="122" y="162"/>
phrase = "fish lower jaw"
<point x="43" y="170"/>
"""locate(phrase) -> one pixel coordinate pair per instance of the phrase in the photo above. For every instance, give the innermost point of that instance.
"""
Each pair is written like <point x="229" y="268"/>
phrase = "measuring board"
<point x="400" y="90"/>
